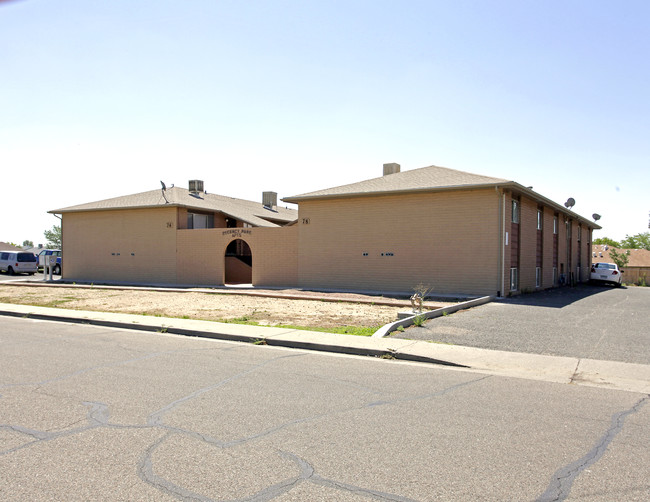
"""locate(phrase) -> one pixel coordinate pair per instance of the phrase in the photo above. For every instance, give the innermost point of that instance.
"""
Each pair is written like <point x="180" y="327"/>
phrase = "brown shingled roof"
<point x="244" y="210"/>
<point x="423" y="179"/>
<point x="430" y="179"/>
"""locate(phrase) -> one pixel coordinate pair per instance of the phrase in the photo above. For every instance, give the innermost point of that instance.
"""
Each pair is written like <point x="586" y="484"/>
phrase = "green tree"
<point x="53" y="237"/>
<point x="619" y="257"/>
<point x="28" y="244"/>
<point x="607" y="241"/>
<point x="638" y="241"/>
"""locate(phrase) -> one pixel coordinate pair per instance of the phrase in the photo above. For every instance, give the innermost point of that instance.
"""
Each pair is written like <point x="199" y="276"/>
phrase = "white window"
<point x="514" y="279"/>
<point x="538" y="277"/>
<point x="540" y="218"/>
<point x="555" y="225"/>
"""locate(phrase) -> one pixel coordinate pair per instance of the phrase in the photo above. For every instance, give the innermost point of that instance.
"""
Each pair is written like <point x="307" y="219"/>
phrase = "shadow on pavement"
<point x="558" y="297"/>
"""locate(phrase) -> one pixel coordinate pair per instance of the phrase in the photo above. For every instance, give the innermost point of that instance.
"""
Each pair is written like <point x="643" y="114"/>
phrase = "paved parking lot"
<point x="590" y="321"/>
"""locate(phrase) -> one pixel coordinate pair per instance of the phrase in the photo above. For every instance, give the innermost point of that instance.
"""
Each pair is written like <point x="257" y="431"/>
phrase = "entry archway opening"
<point x="238" y="263"/>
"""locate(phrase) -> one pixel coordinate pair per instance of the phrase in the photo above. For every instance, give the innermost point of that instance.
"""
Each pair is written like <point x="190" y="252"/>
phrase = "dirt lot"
<point x="345" y="310"/>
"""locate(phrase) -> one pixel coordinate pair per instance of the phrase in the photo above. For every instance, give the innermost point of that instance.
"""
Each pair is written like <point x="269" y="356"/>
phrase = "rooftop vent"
<point x="391" y="168"/>
<point x="196" y="186"/>
<point x="269" y="199"/>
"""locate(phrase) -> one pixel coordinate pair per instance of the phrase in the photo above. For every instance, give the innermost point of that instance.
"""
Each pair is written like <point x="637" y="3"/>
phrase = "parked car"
<point x="47" y="252"/>
<point x="606" y="272"/>
<point x="18" y="262"/>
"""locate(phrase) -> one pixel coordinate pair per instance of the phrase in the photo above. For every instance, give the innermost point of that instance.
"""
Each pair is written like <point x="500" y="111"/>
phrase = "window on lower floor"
<point x="554" y="276"/>
<point x="514" y="279"/>
<point x="538" y="277"/>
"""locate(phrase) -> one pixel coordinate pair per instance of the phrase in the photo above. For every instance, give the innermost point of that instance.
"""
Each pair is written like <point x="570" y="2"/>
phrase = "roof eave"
<point x="300" y="198"/>
<point x="559" y="207"/>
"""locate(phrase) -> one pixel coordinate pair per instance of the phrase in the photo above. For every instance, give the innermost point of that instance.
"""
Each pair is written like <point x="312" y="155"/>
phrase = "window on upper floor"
<point x="515" y="211"/>
<point x="199" y="220"/>
<point x="540" y="219"/>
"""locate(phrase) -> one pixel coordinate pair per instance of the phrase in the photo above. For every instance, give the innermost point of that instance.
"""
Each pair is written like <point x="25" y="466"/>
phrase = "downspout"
<point x="502" y="250"/>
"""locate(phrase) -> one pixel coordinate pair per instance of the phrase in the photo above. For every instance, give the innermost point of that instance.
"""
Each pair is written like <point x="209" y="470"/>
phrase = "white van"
<point x="18" y="262"/>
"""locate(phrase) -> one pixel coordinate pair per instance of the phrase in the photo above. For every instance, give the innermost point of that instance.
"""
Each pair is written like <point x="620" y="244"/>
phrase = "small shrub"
<point x="419" y="321"/>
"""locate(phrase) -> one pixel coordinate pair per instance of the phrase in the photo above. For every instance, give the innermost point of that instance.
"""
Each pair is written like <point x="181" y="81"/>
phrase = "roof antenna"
<point x="164" y="187"/>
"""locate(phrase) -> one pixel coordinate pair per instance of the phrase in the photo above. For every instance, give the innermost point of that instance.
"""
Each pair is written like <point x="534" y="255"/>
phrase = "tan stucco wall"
<point x="144" y="246"/>
<point x="129" y="246"/>
<point x="448" y="241"/>
<point x="274" y="254"/>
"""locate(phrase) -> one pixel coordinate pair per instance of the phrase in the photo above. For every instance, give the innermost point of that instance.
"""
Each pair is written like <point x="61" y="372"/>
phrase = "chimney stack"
<point x="269" y="199"/>
<point x="391" y="168"/>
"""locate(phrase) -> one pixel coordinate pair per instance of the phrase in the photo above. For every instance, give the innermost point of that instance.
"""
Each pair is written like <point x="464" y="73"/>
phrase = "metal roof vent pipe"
<point x="269" y="200"/>
<point x="391" y="168"/>
<point x="196" y="186"/>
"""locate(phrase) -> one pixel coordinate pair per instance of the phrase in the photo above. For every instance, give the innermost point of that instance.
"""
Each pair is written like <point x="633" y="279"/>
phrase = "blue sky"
<point x="101" y="99"/>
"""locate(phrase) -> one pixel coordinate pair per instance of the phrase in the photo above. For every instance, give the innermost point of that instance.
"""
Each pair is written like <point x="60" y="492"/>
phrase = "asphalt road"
<point x="592" y="322"/>
<point x="94" y="413"/>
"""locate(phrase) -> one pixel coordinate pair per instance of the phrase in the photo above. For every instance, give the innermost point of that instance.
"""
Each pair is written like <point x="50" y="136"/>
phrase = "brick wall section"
<point x="134" y="246"/>
<point x="448" y="241"/>
<point x="528" y="244"/>
<point x="507" y="221"/>
<point x="547" y="247"/>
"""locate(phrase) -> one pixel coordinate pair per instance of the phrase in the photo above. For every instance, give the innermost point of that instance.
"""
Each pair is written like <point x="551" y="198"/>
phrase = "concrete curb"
<point x="565" y="370"/>
<point x="431" y="314"/>
<point x="279" y="337"/>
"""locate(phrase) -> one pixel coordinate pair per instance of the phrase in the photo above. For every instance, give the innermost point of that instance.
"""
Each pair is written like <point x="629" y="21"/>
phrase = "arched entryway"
<point x="238" y="263"/>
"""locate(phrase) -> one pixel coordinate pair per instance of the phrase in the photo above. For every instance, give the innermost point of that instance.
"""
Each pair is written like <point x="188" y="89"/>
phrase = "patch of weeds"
<point x="60" y="301"/>
<point x="341" y="330"/>
<point x="162" y="330"/>
<point x="260" y="341"/>
<point x="419" y="321"/>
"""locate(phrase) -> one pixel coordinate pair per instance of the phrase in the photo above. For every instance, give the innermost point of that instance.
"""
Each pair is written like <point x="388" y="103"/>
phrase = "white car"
<point x="18" y="262"/>
<point x="606" y="272"/>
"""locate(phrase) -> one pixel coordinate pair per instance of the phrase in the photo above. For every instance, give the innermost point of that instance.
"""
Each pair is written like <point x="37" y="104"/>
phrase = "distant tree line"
<point x="638" y="241"/>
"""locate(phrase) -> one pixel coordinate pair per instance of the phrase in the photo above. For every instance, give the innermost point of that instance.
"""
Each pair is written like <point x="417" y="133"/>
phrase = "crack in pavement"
<point x="98" y="416"/>
<point x="307" y="472"/>
<point x="563" y="479"/>
<point x="156" y="417"/>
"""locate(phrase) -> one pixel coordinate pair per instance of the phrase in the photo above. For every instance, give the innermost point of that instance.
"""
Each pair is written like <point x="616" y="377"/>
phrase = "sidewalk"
<point x="568" y="370"/>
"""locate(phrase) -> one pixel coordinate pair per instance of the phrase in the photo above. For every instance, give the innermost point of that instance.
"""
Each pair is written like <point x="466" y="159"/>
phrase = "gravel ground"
<point x="344" y="310"/>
